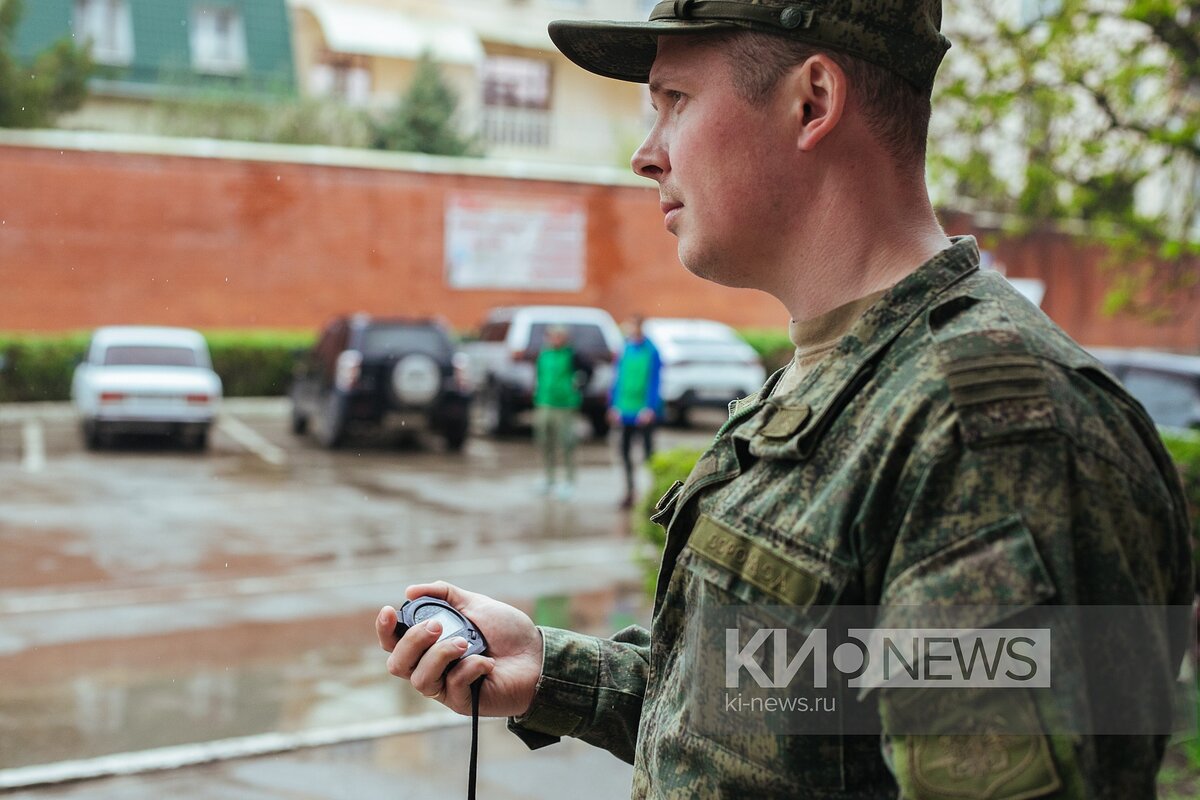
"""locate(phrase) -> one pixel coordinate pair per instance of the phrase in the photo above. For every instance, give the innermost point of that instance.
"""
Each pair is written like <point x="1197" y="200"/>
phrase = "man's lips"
<point x="670" y="211"/>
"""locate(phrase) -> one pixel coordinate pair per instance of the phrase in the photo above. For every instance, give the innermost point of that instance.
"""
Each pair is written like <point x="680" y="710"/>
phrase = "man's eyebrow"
<point x="656" y="84"/>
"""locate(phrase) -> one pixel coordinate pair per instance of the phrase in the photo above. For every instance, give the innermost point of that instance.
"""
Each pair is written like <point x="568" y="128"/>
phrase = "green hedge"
<point x="772" y="345"/>
<point x="256" y="363"/>
<point x="666" y="467"/>
<point x="39" y="367"/>
<point x="1185" y="450"/>
<point x="251" y="363"/>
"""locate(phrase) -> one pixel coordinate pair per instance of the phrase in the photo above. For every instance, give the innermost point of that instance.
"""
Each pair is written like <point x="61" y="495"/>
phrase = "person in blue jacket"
<point x="635" y="401"/>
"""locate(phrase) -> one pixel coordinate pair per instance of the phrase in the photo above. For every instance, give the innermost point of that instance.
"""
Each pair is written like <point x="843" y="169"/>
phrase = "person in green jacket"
<point x="557" y="397"/>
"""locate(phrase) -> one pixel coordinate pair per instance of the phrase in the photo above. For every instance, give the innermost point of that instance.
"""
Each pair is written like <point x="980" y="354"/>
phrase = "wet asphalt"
<point x="204" y="620"/>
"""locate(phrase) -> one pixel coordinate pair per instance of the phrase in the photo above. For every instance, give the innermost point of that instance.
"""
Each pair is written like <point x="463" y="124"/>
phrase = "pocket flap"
<point x="993" y="572"/>
<point x="754" y="570"/>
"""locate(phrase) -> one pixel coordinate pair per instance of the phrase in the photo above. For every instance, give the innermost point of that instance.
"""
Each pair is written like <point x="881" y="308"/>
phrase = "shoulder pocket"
<point x="994" y="572"/>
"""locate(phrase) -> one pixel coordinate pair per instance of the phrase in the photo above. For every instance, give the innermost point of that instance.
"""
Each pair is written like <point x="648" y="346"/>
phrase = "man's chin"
<point x="713" y="272"/>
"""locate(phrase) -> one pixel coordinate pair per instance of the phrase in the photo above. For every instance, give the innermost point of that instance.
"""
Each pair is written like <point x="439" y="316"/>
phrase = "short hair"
<point x="896" y="111"/>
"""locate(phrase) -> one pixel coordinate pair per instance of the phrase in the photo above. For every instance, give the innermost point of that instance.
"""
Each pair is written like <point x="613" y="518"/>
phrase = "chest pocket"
<point x="729" y="579"/>
<point x="753" y="571"/>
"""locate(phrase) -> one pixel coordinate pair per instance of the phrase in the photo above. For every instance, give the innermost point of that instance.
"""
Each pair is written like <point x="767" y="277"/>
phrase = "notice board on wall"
<point x="502" y="241"/>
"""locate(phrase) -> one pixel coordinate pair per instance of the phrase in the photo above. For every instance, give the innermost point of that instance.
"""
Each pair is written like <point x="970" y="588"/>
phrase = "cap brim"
<point x="621" y="50"/>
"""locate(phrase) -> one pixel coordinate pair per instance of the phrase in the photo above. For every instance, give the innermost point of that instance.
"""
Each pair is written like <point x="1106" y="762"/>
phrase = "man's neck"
<point x="872" y="233"/>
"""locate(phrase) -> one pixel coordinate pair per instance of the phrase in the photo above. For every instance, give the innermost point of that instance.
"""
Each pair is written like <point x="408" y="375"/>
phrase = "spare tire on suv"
<point x="382" y="373"/>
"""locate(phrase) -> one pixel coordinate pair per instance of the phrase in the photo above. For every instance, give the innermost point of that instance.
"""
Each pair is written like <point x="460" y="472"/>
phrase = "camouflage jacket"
<point x="957" y="448"/>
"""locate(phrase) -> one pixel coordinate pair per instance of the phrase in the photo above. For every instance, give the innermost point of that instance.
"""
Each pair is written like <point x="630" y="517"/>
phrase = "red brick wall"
<point x="1077" y="279"/>
<point x="98" y="238"/>
<point x="92" y="238"/>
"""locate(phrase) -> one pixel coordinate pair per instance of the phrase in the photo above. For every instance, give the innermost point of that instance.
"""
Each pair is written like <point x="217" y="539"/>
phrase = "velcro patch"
<point x="997" y="386"/>
<point x="758" y="566"/>
<point x="982" y="767"/>
<point x="786" y="422"/>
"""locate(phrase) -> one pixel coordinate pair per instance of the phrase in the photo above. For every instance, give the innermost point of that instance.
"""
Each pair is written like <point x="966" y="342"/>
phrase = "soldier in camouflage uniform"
<point x="950" y="447"/>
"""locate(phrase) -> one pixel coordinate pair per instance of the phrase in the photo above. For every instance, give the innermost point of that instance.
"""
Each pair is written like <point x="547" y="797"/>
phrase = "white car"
<point x="704" y="363"/>
<point x="1166" y="384"/>
<point x="146" y="380"/>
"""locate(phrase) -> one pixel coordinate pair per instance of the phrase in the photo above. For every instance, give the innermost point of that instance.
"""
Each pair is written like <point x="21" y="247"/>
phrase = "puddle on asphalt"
<point x="37" y="558"/>
<point x="103" y="697"/>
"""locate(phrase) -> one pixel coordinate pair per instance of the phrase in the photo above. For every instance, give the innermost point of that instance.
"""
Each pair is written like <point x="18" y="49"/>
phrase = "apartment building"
<point x="522" y="98"/>
<point x="148" y="50"/>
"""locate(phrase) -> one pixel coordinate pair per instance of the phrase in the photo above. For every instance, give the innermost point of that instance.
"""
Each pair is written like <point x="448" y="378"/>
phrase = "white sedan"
<point x="704" y="363"/>
<point x="146" y="380"/>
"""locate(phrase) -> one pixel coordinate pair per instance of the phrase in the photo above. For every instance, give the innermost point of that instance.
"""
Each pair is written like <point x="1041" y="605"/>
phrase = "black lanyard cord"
<point x="475" y="687"/>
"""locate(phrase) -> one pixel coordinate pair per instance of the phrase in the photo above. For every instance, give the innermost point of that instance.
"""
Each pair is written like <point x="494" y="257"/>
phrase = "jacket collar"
<point x="781" y="429"/>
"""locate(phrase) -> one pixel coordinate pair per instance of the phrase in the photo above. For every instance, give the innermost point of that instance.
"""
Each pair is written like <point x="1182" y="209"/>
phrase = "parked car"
<point x="704" y="363"/>
<point x="379" y="373"/>
<point x="146" y="380"/>
<point x="1167" y="384"/>
<point x="503" y="360"/>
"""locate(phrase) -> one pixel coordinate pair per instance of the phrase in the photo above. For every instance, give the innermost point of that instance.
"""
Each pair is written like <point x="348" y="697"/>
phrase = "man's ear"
<point x="818" y="96"/>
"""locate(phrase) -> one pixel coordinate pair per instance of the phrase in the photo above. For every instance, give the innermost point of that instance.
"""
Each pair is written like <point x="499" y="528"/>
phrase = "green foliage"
<point x="665" y="467"/>
<point x="255" y="363"/>
<point x="1185" y="452"/>
<point x="424" y="119"/>
<point x="1073" y="115"/>
<point x="772" y="345"/>
<point x="224" y="114"/>
<point x="38" y="367"/>
<point x="33" y="95"/>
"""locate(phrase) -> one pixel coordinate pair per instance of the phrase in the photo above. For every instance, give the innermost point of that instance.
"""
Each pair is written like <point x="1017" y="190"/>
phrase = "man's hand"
<point x="645" y="416"/>
<point x="513" y="663"/>
<point x="614" y="417"/>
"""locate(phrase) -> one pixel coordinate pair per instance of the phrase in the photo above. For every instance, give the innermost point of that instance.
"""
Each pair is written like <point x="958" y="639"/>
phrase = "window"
<point x="149" y="356"/>
<point x="218" y="40"/>
<point x="1170" y="399"/>
<point x="494" y="332"/>
<point x="587" y="340"/>
<point x="345" y="77"/>
<point x="513" y="82"/>
<point x="516" y="101"/>
<point x="394" y="339"/>
<point x="108" y="27"/>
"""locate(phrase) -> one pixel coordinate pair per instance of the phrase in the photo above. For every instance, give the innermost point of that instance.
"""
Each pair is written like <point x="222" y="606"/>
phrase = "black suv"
<point x="377" y="371"/>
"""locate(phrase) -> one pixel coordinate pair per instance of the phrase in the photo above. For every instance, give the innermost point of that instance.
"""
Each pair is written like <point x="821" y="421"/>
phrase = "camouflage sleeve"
<point x="590" y="689"/>
<point x="1014" y="523"/>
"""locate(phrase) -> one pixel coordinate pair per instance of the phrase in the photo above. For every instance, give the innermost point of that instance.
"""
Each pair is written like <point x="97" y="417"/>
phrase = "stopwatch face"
<point x="451" y="622"/>
<point x="454" y="624"/>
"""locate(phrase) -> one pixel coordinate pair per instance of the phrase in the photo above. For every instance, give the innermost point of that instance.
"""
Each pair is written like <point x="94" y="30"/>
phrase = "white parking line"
<point x="187" y="755"/>
<point x="33" y="451"/>
<point x="248" y="438"/>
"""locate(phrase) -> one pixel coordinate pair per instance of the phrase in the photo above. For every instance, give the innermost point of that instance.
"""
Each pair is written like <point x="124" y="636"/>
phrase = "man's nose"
<point x="650" y="159"/>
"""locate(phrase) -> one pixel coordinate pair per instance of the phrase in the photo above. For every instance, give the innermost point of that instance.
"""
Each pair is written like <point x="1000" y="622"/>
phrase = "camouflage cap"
<point x="903" y="36"/>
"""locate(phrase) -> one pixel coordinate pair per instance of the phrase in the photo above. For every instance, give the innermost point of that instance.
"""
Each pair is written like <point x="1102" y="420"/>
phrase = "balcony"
<point x="515" y="127"/>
